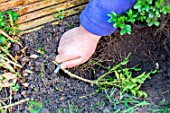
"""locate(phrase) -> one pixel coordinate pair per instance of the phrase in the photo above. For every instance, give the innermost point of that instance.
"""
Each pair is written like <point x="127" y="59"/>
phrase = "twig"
<point x="2" y="102"/>
<point x="14" y="104"/>
<point x="8" y="54"/>
<point x="9" y="61"/>
<point x="11" y="21"/>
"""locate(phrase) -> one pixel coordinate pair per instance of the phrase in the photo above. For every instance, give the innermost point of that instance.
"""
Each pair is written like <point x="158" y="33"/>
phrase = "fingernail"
<point x="57" y="59"/>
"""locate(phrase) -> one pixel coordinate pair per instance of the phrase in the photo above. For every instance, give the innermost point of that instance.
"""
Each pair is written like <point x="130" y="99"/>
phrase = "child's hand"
<point x="76" y="47"/>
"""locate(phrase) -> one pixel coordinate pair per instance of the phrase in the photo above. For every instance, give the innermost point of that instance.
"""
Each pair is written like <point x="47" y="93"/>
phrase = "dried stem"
<point x="14" y="104"/>
<point x="8" y="54"/>
<point x="11" y="21"/>
<point x="7" y="36"/>
<point x="9" y="61"/>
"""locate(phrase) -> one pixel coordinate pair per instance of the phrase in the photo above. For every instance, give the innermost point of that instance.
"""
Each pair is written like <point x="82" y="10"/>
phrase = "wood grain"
<point x="50" y="10"/>
<point x="50" y="18"/>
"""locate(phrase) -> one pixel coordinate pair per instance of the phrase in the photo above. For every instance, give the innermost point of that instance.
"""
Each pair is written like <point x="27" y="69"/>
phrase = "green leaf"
<point x="35" y="107"/>
<point x="137" y="88"/>
<point x="141" y="75"/>
<point x="2" y="24"/>
<point x="138" y="6"/>
<point x="140" y="81"/>
<point x="9" y="12"/>
<point x="132" y="86"/>
<point x="134" y="80"/>
<point x="146" y="7"/>
<point x="133" y="92"/>
<point x="3" y="39"/>
<point x="154" y="72"/>
<point x="136" y="69"/>
<point x="124" y="62"/>
<point x="157" y="4"/>
<point x="15" y="18"/>
<point x="141" y="93"/>
<point x="156" y="23"/>
<point x="130" y="13"/>
<point x="149" y="1"/>
<point x="117" y="74"/>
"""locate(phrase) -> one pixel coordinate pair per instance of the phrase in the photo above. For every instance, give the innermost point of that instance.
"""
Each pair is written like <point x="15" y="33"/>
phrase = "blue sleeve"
<point x="94" y="18"/>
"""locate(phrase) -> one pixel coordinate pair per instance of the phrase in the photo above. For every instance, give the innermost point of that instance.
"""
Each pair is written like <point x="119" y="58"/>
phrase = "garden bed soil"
<point x="149" y="47"/>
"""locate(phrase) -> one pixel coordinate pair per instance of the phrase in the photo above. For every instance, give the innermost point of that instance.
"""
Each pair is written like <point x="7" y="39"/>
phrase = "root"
<point x="77" y="77"/>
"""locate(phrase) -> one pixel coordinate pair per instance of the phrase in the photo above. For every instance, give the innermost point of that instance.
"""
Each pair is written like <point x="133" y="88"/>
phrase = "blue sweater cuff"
<point x="94" y="18"/>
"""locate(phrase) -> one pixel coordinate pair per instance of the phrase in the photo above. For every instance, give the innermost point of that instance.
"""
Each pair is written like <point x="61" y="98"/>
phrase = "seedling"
<point x="7" y="29"/>
<point x="70" y="109"/>
<point x="148" y="11"/>
<point x="14" y="87"/>
<point x="41" y="50"/>
<point x="35" y="107"/>
<point x="46" y="102"/>
<point x="128" y="102"/>
<point x="60" y="15"/>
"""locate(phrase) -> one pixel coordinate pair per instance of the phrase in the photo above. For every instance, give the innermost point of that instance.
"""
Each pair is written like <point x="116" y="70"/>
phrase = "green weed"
<point x="8" y="28"/>
<point x="120" y="77"/>
<point x="148" y="11"/>
<point x="163" y="107"/>
<point x="70" y="109"/>
<point x="59" y="15"/>
<point x="41" y="50"/>
<point x="35" y="107"/>
<point x="14" y="87"/>
<point x="123" y="102"/>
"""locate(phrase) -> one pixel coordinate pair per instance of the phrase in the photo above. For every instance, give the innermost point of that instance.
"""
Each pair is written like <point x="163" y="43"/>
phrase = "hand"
<point x="76" y="47"/>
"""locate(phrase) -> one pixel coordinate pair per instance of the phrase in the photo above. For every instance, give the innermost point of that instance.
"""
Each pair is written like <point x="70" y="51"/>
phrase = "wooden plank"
<point x="50" y="10"/>
<point x="1" y="1"/>
<point x="32" y="24"/>
<point x="14" y="3"/>
<point x="38" y="5"/>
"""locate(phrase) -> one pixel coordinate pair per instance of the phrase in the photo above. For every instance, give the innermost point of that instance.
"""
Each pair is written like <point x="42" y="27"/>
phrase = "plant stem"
<point x="16" y="103"/>
<point x="8" y="54"/>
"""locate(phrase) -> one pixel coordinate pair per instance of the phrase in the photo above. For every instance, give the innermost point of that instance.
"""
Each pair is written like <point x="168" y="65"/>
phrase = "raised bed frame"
<point x="33" y="14"/>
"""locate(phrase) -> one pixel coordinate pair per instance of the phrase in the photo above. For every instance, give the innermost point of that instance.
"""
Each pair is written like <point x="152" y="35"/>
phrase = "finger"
<point x="64" y="57"/>
<point x="71" y="63"/>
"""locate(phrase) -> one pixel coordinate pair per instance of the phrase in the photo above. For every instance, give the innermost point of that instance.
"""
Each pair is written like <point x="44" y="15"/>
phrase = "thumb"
<point x="60" y="58"/>
<point x="71" y="63"/>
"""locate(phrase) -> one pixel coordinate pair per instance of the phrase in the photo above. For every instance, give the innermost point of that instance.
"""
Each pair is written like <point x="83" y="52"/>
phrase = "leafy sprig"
<point x="148" y="11"/>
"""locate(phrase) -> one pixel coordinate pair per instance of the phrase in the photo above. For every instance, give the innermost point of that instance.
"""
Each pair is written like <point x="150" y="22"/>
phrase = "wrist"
<point x="89" y="35"/>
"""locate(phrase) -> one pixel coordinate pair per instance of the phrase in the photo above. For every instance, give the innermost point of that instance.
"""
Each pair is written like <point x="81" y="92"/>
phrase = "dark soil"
<point x="150" y="47"/>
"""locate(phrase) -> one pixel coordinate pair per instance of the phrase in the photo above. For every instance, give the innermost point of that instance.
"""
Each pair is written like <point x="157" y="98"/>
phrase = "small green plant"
<point x="2" y="110"/>
<point x="122" y="78"/>
<point x="8" y="28"/>
<point x="128" y="102"/>
<point x="8" y="22"/>
<point x="14" y="87"/>
<point x="46" y="102"/>
<point x="148" y="11"/>
<point x="35" y="107"/>
<point x="70" y="109"/>
<point x="41" y="50"/>
<point x="60" y="15"/>
<point x="163" y="107"/>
